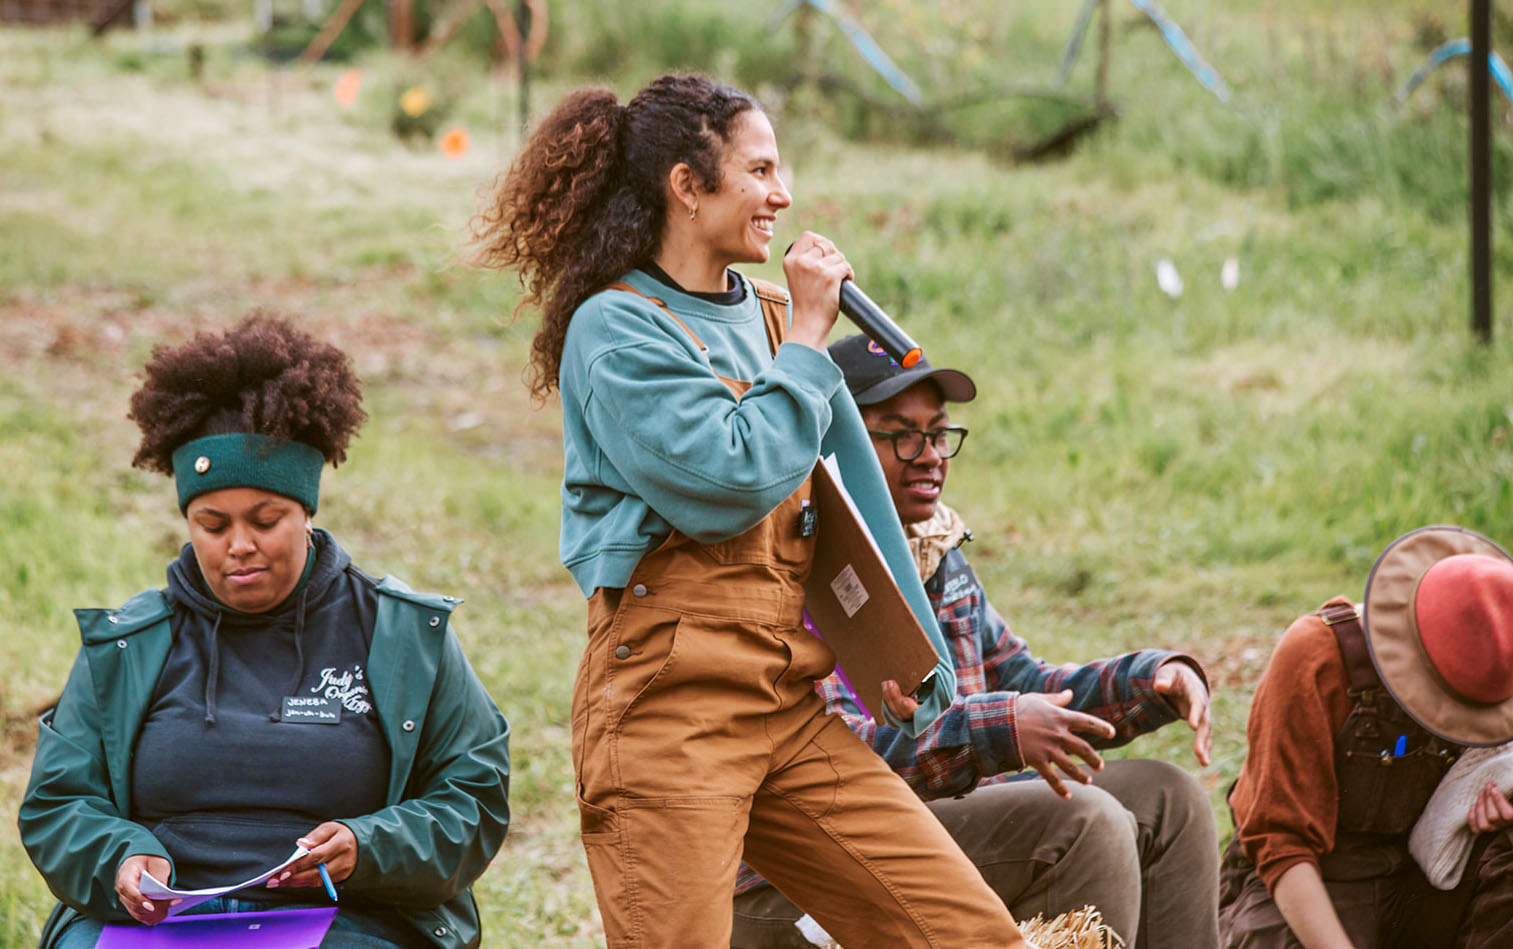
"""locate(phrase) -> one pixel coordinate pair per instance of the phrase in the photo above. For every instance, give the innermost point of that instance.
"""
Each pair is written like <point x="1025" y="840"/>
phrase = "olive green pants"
<point x="1139" y="844"/>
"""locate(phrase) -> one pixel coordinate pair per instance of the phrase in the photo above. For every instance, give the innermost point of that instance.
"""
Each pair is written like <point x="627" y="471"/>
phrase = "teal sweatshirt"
<point x="653" y="441"/>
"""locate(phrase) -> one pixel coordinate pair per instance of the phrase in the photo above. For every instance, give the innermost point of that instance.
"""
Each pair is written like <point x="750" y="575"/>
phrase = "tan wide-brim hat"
<point x="1398" y="648"/>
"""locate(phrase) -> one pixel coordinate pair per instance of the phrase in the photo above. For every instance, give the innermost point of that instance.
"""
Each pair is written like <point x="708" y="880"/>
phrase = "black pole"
<point x="1481" y="170"/>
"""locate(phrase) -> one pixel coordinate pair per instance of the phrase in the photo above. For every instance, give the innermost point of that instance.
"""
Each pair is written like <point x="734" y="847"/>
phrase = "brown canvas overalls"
<point x="698" y="738"/>
<point x="1378" y="892"/>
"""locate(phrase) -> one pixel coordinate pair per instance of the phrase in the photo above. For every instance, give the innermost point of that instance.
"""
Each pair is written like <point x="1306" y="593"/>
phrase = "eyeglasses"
<point x="909" y="443"/>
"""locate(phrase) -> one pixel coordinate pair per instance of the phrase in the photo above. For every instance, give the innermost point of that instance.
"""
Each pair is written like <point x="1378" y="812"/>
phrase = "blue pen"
<point x="326" y="879"/>
<point x="1398" y="750"/>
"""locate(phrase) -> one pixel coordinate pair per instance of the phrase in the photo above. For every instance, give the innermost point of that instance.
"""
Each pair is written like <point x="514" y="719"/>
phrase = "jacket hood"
<point x="187" y="587"/>
<point x="205" y="615"/>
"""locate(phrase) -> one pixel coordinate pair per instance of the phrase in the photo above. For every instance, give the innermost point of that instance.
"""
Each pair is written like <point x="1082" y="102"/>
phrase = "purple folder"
<point x="273" y="929"/>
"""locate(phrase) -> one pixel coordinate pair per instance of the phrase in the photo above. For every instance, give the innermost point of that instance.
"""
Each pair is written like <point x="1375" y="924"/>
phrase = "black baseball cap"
<point x="873" y="376"/>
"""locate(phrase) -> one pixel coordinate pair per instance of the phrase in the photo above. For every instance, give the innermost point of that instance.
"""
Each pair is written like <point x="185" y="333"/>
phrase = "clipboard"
<point x="856" y="605"/>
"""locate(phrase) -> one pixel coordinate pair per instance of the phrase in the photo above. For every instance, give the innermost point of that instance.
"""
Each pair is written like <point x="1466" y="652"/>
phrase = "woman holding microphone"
<point x="694" y="409"/>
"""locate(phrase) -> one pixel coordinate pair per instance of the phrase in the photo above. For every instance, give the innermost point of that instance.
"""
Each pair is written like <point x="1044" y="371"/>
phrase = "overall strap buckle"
<point x="1343" y="621"/>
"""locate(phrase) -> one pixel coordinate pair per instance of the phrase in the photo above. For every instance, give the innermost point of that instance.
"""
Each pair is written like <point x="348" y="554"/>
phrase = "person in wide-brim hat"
<point x="1357" y="720"/>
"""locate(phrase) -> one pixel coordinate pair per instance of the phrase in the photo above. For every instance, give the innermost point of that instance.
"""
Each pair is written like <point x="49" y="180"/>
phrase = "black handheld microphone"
<point x="879" y="326"/>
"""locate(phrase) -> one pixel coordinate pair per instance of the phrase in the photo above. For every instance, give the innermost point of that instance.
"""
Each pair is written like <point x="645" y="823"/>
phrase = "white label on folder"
<point x="848" y="588"/>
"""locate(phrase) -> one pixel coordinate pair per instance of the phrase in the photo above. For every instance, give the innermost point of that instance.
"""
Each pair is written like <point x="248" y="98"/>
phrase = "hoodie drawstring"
<point x="299" y="651"/>
<point x="213" y="669"/>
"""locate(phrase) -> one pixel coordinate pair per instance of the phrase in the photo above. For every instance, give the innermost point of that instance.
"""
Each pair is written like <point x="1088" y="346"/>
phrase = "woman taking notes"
<point x="694" y="409"/>
<point x="272" y="695"/>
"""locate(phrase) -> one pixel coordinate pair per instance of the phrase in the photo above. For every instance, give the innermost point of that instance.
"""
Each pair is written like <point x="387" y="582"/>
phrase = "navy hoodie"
<point x="227" y="774"/>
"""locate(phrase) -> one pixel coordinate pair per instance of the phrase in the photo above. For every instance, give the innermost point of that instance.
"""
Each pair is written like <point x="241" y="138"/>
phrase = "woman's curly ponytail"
<point x="585" y="200"/>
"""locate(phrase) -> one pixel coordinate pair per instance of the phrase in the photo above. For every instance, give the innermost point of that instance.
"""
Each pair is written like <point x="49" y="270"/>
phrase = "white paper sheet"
<point x="154" y="889"/>
<point x="834" y="467"/>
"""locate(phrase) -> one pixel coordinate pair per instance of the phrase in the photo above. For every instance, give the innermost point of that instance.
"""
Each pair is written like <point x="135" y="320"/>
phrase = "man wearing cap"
<point x="1354" y="735"/>
<point x="1136" y="838"/>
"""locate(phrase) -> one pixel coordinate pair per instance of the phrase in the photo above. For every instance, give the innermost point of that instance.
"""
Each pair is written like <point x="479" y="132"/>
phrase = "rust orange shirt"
<point x="1287" y="797"/>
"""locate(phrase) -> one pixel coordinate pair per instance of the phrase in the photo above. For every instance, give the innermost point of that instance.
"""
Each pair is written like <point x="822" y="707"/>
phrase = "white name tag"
<point x="311" y="710"/>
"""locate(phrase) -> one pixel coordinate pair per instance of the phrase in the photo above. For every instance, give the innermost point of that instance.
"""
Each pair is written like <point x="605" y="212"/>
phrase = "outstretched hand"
<point x="331" y="843"/>
<point x="129" y="887"/>
<point x="1047" y="738"/>
<point x="1182" y="687"/>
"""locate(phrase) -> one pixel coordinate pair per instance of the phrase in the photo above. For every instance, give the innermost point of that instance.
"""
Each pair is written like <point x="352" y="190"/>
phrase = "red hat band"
<point x="1464" y="611"/>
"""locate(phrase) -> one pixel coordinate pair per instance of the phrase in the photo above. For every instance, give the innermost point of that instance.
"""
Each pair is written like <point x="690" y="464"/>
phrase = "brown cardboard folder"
<point x="855" y="603"/>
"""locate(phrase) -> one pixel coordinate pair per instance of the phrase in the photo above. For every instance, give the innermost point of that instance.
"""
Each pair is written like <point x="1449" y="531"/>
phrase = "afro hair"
<point x="262" y="376"/>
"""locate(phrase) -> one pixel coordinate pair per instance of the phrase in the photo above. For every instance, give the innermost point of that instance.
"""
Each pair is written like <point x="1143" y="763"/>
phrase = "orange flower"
<point x="454" y="144"/>
<point x="347" y="87"/>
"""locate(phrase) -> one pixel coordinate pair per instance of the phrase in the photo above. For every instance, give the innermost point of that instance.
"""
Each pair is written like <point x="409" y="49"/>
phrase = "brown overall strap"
<point x="1346" y="626"/>
<point x="622" y="285"/>
<point x="774" y="300"/>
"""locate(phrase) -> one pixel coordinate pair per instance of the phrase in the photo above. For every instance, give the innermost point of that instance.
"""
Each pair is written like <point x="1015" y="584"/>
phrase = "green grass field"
<point x="1143" y="470"/>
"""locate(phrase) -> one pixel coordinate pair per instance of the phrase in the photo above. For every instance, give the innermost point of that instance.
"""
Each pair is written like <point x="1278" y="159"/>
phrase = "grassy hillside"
<point x="1190" y="472"/>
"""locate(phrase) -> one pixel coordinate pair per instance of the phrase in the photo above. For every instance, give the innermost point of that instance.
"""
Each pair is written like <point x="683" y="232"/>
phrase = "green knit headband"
<point x="247" y="461"/>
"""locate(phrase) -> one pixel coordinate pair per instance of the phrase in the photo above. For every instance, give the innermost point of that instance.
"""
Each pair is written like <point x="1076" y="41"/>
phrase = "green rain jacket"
<point x="448" y="784"/>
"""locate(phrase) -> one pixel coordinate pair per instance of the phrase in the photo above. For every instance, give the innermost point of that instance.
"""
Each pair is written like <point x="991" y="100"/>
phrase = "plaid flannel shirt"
<point x="975" y="742"/>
